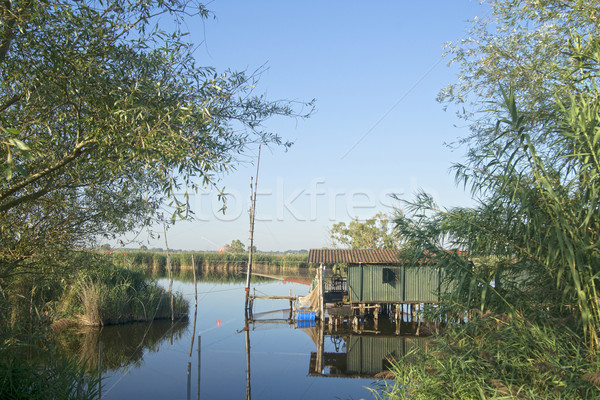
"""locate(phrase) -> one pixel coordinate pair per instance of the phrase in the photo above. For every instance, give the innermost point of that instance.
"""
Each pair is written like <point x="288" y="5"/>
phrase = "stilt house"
<point x="374" y="276"/>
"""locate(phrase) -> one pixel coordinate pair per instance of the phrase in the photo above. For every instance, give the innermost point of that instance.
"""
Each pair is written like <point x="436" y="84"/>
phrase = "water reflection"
<point x="361" y="356"/>
<point x="240" y="358"/>
<point x="124" y="346"/>
<point x="348" y="352"/>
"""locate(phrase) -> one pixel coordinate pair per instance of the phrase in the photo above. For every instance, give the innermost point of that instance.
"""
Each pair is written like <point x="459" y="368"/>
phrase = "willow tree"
<point x="104" y="116"/>
<point x="529" y="88"/>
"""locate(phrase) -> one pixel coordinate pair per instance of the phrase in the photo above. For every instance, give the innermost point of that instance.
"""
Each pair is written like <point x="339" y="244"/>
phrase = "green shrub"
<point x="113" y="295"/>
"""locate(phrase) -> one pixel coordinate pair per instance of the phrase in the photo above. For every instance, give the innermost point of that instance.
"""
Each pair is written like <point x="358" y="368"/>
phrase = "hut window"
<point x="389" y="276"/>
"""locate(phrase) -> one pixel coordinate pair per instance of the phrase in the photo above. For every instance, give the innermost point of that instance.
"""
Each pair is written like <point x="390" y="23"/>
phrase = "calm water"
<point x="150" y="361"/>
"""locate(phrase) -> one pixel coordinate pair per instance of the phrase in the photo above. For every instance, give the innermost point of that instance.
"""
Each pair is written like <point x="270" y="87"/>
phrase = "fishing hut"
<point x="360" y="282"/>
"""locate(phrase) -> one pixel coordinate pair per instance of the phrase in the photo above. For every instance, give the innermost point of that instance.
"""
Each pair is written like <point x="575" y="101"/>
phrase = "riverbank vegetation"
<point x="529" y="85"/>
<point x="103" y="120"/>
<point x="113" y="295"/>
<point x="150" y="261"/>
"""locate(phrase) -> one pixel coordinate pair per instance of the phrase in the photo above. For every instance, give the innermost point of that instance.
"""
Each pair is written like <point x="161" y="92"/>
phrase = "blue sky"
<point x="375" y="70"/>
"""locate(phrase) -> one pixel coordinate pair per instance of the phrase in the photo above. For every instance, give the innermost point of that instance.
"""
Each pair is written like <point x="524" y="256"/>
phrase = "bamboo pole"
<point x="252" y="215"/>
<point x="199" y="364"/>
<point x="195" y="306"/>
<point x="189" y="380"/>
<point x="169" y="269"/>
<point x="249" y="268"/>
<point x="322" y="294"/>
<point x="248" y="382"/>
<point x="100" y="370"/>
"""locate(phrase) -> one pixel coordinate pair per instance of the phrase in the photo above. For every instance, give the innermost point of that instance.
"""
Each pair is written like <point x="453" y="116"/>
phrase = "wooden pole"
<point x="248" y="385"/>
<point x="249" y="268"/>
<point x="100" y="369"/>
<point x="169" y="268"/>
<point x="291" y="306"/>
<point x="322" y="290"/>
<point x="252" y="215"/>
<point x="195" y="282"/>
<point x="189" y="381"/>
<point x="199" y="363"/>
<point x="195" y="305"/>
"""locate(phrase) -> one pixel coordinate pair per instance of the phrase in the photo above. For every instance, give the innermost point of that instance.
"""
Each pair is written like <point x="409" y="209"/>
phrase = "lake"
<point x="151" y="361"/>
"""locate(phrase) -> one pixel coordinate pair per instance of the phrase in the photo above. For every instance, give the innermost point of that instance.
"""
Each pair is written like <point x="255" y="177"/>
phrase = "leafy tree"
<point x="528" y="46"/>
<point x="104" y="116"/>
<point x="235" y="247"/>
<point x="105" y="247"/>
<point x="533" y="164"/>
<point x="374" y="233"/>
<point x="529" y="85"/>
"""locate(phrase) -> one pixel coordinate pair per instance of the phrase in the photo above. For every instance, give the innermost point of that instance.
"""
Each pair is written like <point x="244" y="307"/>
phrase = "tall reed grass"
<point x="157" y="261"/>
<point x="499" y="357"/>
<point x="114" y="295"/>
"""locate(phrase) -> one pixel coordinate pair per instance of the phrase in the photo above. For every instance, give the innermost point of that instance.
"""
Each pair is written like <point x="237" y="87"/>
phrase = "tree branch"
<point x="8" y="33"/>
<point x="75" y="153"/>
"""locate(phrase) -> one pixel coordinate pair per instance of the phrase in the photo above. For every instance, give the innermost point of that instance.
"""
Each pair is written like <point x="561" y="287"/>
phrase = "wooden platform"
<point x="343" y="311"/>
<point x="288" y="298"/>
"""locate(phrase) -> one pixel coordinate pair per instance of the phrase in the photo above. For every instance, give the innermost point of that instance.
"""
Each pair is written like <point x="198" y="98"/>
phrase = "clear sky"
<point x="375" y="69"/>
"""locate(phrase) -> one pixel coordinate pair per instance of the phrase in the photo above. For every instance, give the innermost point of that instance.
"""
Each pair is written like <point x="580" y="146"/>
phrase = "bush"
<point x="497" y="356"/>
<point x="113" y="295"/>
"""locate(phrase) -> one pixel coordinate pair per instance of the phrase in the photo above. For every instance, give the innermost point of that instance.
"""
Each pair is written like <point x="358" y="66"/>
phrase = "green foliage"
<point x="526" y="259"/>
<point x="374" y="233"/>
<point x="236" y="246"/>
<point x="496" y="356"/>
<point x="113" y="295"/>
<point x="534" y="166"/>
<point x="104" y="116"/>
<point x="526" y="45"/>
<point x="154" y="261"/>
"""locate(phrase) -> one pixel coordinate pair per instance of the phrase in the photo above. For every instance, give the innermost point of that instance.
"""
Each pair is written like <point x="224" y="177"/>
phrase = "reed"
<point x="156" y="261"/>
<point x="498" y="356"/>
<point x="114" y="295"/>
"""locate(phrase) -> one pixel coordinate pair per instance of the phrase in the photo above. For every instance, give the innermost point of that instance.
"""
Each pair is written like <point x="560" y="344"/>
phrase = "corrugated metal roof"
<point x="355" y="256"/>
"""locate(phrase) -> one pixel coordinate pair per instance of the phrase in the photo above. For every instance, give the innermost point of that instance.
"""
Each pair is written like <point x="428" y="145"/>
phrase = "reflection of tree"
<point x="123" y="346"/>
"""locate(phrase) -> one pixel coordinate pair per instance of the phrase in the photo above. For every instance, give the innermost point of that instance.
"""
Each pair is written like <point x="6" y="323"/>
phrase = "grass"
<point x="112" y="295"/>
<point x="157" y="261"/>
<point x="91" y="291"/>
<point x="499" y="357"/>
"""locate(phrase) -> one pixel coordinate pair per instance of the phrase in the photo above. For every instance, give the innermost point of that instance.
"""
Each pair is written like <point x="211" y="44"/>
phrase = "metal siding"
<point x="422" y="284"/>
<point x="429" y="284"/>
<point x="354" y="283"/>
<point x="411" y="292"/>
<point x="386" y="292"/>
<point x="365" y="284"/>
<point x="415" y="285"/>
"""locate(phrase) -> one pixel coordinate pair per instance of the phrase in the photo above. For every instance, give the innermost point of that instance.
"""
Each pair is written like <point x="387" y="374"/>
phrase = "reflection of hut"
<point x="373" y="279"/>
<point x="365" y="356"/>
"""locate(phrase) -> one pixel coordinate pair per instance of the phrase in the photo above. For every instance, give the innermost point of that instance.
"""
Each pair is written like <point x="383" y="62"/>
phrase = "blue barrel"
<point x="305" y="323"/>
<point x="305" y="315"/>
